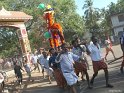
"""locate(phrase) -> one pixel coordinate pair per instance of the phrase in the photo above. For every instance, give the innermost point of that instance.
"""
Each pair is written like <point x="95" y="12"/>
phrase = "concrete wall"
<point x="115" y="21"/>
<point x="118" y="26"/>
<point x="117" y="30"/>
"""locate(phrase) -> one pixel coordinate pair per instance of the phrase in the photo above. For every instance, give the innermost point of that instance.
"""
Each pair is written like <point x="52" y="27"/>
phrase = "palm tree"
<point x="91" y="15"/>
<point x="88" y="6"/>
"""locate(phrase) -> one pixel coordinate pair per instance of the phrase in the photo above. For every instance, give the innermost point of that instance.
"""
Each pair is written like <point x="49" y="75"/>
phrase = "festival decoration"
<point x="41" y="6"/>
<point x="55" y="31"/>
<point x="48" y="7"/>
<point x="47" y="35"/>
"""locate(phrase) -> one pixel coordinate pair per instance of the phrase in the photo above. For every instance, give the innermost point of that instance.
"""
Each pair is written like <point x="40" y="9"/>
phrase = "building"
<point x="17" y="20"/>
<point x="118" y="24"/>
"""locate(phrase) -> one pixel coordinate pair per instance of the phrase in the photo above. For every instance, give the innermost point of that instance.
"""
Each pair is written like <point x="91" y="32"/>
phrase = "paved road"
<point x="116" y="78"/>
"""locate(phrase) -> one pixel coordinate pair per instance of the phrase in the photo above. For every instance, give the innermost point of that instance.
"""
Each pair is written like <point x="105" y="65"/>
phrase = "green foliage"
<point x="116" y="8"/>
<point x="8" y="41"/>
<point x="107" y="13"/>
<point x="65" y="14"/>
<point x="91" y="17"/>
<point x="98" y="21"/>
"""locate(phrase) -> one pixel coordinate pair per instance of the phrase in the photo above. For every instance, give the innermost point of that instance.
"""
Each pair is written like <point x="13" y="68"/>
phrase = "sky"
<point x="96" y="3"/>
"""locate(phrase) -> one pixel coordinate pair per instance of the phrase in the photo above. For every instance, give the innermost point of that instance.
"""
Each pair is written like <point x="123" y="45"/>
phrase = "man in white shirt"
<point x="44" y="61"/>
<point x="34" y="60"/>
<point x="66" y="60"/>
<point x="40" y="57"/>
<point x="80" y="66"/>
<point x="98" y="61"/>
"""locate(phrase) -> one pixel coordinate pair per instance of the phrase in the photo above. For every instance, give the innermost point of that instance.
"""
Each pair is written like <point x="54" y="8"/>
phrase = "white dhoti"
<point x="49" y="71"/>
<point x="71" y="78"/>
<point x="1" y="80"/>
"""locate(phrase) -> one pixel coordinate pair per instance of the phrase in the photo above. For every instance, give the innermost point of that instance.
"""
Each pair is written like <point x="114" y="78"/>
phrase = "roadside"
<point x="41" y="85"/>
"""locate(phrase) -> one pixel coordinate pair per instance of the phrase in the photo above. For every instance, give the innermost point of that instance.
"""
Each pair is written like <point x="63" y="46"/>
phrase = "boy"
<point x="27" y="68"/>
<point x="18" y="73"/>
<point x="45" y="64"/>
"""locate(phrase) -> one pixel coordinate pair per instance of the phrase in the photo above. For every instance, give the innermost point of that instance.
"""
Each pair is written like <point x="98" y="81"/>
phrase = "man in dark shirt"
<point x="61" y="82"/>
<point x="52" y="62"/>
<point x="122" y="48"/>
<point x="18" y="73"/>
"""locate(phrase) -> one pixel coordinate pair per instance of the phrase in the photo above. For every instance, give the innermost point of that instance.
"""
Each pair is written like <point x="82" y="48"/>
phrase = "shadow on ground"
<point x="40" y="85"/>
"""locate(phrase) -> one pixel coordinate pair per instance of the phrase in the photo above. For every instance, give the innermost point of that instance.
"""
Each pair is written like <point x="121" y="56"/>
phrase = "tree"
<point x="9" y="44"/>
<point x="113" y="8"/>
<point x="91" y="16"/>
<point x="65" y="14"/>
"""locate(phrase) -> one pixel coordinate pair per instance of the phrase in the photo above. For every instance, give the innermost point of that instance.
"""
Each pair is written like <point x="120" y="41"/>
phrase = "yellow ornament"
<point x="48" y="7"/>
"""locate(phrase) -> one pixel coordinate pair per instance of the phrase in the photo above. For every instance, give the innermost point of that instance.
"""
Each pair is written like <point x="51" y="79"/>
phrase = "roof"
<point x="13" y="16"/>
<point x="118" y="26"/>
<point x="116" y="14"/>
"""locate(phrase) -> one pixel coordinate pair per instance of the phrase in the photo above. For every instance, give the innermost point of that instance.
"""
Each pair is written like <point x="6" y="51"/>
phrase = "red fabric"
<point x="57" y="37"/>
<point x="99" y="65"/>
<point x="61" y="82"/>
<point x="79" y="67"/>
<point x="49" y="19"/>
<point x="54" y="33"/>
<point x="122" y="63"/>
<point x="51" y="42"/>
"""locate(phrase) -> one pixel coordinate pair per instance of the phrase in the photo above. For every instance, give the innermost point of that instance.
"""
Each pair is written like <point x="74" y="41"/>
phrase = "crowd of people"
<point x="66" y="63"/>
